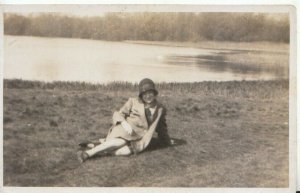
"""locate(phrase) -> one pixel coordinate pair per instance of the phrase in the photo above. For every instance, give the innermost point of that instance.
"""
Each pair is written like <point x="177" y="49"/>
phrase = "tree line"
<point x="195" y="27"/>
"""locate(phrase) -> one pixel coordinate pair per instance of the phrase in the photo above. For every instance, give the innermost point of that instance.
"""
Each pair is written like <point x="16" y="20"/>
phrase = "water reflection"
<point x="59" y="59"/>
<point x="218" y="62"/>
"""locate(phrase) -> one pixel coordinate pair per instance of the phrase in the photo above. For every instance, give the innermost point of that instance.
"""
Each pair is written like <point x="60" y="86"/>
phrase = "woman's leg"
<point x="94" y="144"/>
<point x="108" y="145"/>
<point x="123" y="151"/>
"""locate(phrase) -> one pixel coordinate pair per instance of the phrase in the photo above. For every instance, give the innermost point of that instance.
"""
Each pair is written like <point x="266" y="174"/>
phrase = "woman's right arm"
<point x="120" y="116"/>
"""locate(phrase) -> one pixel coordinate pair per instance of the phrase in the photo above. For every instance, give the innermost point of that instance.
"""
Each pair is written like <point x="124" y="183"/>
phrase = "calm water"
<point x="51" y="59"/>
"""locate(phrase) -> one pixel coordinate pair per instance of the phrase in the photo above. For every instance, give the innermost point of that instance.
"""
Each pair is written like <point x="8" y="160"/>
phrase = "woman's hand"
<point x="127" y="127"/>
<point x="172" y="142"/>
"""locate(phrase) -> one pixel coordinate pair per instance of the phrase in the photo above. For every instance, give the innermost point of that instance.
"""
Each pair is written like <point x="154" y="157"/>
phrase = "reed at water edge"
<point x="245" y="89"/>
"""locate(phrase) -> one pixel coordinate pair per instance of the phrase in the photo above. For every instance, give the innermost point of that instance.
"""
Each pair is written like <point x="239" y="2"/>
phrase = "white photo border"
<point x="173" y="6"/>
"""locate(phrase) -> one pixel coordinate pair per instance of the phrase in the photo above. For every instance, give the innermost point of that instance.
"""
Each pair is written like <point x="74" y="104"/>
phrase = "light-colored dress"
<point x="134" y="113"/>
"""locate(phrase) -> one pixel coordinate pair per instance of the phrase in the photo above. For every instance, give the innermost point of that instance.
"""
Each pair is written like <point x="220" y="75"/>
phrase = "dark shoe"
<point x="89" y="144"/>
<point x="82" y="156"/>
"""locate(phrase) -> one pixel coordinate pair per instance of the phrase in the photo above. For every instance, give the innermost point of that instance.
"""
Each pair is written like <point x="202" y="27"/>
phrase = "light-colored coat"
<point x="134" y="113"/>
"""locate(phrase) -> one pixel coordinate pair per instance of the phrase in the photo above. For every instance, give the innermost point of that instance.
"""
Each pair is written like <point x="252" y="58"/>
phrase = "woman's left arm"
<point x="162" y="130"/>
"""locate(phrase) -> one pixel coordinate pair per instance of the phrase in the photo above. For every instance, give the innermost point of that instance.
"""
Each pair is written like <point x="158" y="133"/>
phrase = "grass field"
<point x="229" y="134"/>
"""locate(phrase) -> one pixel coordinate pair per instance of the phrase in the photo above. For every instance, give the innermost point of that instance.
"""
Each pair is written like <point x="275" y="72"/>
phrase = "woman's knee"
<point x="123" y="151"/>
<point x="117" y="142"/>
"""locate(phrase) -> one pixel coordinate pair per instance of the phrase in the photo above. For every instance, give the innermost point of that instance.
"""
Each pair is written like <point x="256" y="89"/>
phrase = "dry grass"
<point x="233" y="134"/>
<point x="244" y="89"/>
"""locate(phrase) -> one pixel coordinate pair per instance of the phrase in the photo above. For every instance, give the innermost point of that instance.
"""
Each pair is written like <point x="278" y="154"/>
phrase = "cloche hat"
<point x="145" y="85"/>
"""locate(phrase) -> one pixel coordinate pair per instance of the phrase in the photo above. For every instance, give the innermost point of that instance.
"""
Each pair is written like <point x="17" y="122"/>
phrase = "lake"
<point x="60" y="59"/>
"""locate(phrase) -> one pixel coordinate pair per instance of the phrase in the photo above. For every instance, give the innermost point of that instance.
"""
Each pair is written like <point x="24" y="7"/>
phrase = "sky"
<point x="101" y="10"/>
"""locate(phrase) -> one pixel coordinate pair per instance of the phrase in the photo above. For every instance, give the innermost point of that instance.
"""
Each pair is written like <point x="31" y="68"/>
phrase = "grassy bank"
<point x="229" y="134"/>
<point x="244" y="89"/>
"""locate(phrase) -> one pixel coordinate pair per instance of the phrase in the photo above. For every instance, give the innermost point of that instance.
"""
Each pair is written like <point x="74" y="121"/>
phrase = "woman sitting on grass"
<point x="134" y="125"/>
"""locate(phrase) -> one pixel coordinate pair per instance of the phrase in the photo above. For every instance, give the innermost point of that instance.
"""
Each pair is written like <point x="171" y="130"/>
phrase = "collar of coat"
<point x="158" y="107"/>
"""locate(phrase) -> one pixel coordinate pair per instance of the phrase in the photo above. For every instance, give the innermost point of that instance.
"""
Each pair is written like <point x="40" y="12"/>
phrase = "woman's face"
<point x="149" y="97"/>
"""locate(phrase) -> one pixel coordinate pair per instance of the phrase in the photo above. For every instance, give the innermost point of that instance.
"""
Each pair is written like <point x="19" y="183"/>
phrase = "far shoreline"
<point x="221" y="45"/>
<point x="277" y="47"/>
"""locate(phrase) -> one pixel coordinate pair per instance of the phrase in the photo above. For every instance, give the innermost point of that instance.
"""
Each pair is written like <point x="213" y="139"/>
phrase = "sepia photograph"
<point x="146" y="98"/>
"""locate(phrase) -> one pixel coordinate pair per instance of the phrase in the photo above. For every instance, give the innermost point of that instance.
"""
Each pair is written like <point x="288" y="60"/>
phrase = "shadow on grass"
<point x="156" y="144"/>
